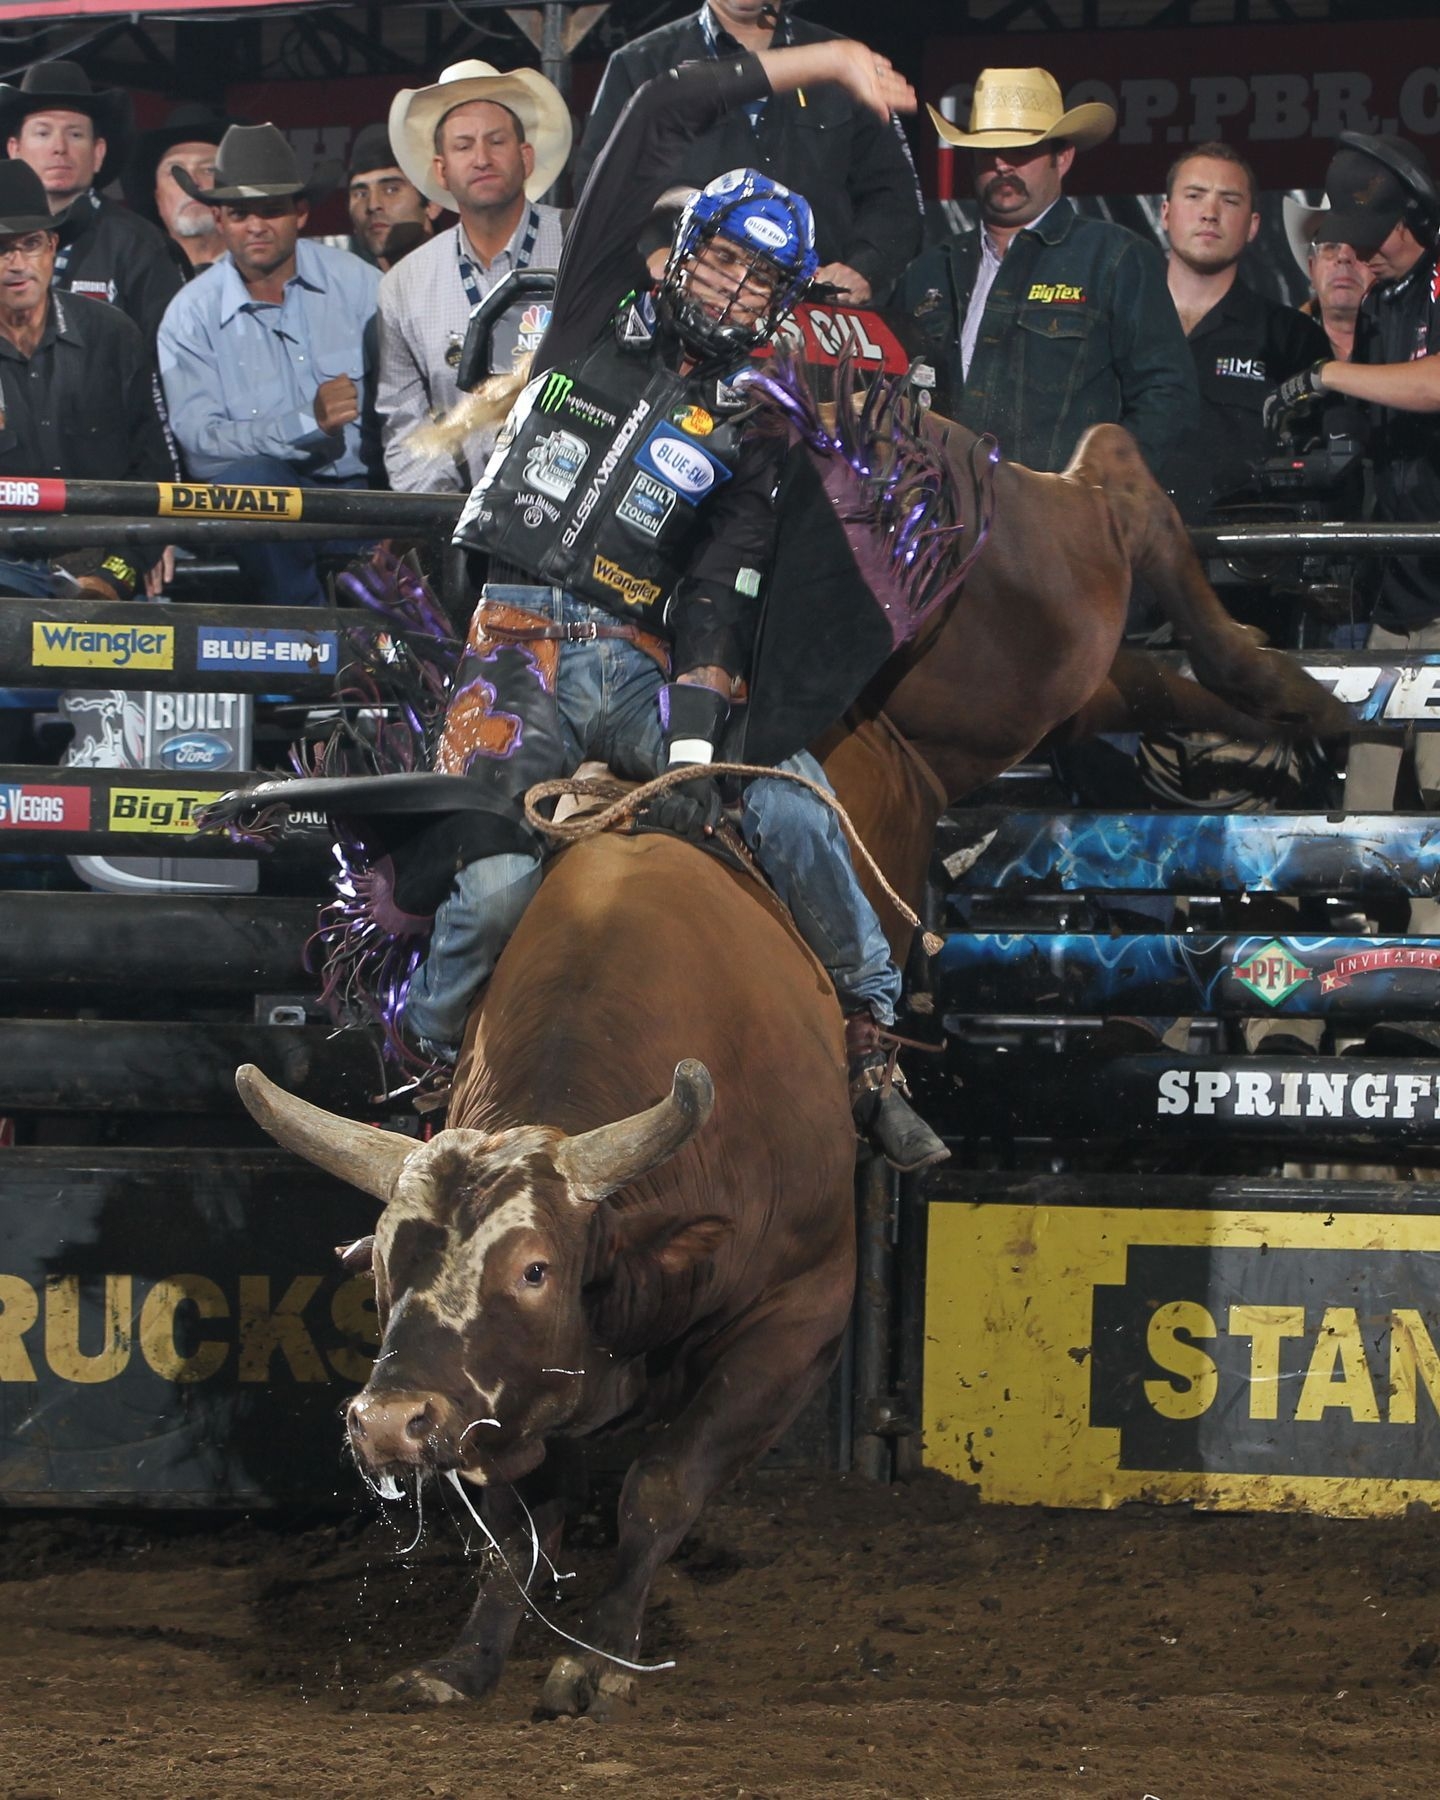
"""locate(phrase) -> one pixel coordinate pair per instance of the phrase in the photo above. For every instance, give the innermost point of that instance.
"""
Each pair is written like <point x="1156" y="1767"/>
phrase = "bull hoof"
<point x="425" y="1686"/>
<point x="572" y="1687"/>
<point x="568" y="1690"/>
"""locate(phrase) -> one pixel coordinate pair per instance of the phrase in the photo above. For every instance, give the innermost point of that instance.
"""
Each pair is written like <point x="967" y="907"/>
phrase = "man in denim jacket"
<point x="1043" y="323"/>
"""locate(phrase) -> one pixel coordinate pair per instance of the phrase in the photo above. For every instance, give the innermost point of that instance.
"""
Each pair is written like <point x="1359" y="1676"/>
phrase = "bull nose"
<point x="392" y="1428"/>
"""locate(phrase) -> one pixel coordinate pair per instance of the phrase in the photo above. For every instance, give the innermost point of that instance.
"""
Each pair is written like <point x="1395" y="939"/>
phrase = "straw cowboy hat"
<point x="61" y="86"/>
<point x="255" y="162"/>
<point x="536" y="102"/>
<point x="1301" y="224"/>
<point x="1015" y="108"/>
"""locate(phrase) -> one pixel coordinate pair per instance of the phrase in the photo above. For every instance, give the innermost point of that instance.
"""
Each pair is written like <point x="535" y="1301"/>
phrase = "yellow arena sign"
<point x="163" y="810"/>
<point x="1259" y="1361"/>
<point x="85" y="646"/>
<point x="183" y="500"/>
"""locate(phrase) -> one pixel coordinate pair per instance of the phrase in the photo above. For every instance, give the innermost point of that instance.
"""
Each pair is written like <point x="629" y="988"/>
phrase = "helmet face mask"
<point x="742" y="256"/>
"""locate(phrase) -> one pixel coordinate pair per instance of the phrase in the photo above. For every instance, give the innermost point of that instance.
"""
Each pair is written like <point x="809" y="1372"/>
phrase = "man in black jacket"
<point x="73" y="136"/>
<point x="77" y="395"/>
<point x="852" y="166"/>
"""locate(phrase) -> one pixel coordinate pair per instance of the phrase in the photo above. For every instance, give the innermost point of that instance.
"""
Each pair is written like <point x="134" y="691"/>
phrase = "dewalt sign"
<point x="1085" y="1356"/>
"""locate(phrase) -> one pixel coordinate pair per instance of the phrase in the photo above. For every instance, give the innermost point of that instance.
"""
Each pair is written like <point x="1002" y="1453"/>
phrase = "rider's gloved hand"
<point x="1299" y="391"/>
<point x="692" y="717"/>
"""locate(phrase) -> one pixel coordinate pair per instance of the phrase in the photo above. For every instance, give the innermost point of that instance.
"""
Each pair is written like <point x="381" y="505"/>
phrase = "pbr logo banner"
<point x="1257" y="1360"/>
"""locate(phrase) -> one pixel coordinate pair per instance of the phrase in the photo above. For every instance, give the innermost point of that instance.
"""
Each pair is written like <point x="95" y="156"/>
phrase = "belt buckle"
<point x="582" y="631"/>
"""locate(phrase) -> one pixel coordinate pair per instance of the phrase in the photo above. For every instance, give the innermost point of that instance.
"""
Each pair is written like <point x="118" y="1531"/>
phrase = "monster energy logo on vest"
<point x="556" y="390"/>
<point x="593" y="488"/>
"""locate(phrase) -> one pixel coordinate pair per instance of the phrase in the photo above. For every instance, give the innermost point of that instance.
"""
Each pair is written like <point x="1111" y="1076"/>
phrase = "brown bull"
<point x="543" y="1272"/>
<point x="1031" y="647"/>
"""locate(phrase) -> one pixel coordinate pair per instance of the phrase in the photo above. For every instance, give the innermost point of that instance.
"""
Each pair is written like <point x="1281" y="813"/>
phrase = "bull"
<point x="555" y="1262"/>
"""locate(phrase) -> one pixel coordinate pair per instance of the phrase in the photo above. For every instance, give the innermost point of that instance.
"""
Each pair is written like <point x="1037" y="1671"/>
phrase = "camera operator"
<point x="1383" y="202"/>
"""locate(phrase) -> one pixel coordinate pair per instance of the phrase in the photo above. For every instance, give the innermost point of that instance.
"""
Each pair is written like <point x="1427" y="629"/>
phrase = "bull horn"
<point x="597" y="1162"/>
<point x="367" y="1158"/>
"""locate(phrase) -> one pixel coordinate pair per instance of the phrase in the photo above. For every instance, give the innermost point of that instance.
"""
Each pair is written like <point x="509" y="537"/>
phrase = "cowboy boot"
<point x="880" y="1100"/>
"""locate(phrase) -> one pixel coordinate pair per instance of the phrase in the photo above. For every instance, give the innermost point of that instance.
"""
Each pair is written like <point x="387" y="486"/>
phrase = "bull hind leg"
<point x="1265" y="685"/>
<point x="472" y="1667"/>
<point x="711" y="1442"/>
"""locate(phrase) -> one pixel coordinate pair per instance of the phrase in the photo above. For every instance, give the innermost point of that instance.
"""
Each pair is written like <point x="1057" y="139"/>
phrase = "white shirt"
<point x="990" y="260"/>
<point x="423" y="312"/>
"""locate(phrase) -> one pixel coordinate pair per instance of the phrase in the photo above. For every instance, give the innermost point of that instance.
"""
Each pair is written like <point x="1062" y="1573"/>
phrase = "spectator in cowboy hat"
<point x="1338" y="274"/>
<point x="486" y="145"/>
<point x="264" y="361"/>
<point x="1043" y="323"/>
<point x="77" y="393"/>
<point x="190" y="136"/>
<point x="73" y="135"/>
<point x="389" y="216"/>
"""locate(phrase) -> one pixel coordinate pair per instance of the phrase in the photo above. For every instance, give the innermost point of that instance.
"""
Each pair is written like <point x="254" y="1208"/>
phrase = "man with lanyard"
<point x="264" y="361"/>
<point x="627" y="481"/>
<point x="486" y="145"/>
<point x="853" y="167"/>
<point x="73" y="136"/>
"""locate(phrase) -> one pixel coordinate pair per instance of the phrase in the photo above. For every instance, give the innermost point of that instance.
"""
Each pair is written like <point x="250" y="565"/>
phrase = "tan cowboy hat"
<point x="1014" y="108"/>
<point x="536" y="102"/>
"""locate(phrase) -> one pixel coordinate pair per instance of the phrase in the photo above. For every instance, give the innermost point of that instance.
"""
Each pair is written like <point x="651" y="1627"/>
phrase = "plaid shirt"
<point x="423" y="313"/>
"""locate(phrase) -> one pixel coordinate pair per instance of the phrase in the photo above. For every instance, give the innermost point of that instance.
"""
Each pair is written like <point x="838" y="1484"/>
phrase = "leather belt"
<point x="575" y="631"/>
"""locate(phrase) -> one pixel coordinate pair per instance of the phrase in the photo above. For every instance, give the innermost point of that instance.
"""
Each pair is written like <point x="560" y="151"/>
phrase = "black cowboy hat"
<point x="65" y="87"/>
<point x="372" y="149"/>
<point x="23" y="205"/>
<point x="255" y="162"/>
<point x="191" y="122"/>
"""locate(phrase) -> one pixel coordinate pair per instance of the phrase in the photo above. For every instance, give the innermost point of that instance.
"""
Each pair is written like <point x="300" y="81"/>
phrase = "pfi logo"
<point x="1271" y="974"/>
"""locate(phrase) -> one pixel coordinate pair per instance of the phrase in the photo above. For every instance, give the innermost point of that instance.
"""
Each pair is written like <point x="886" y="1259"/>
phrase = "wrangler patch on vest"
<point x="631" y="588"/>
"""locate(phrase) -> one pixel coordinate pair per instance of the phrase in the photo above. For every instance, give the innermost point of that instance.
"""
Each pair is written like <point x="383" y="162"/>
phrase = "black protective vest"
<point x="600" y="474"/>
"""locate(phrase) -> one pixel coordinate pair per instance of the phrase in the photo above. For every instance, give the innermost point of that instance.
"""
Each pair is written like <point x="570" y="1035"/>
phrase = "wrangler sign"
<point x="1089" y="1355"/>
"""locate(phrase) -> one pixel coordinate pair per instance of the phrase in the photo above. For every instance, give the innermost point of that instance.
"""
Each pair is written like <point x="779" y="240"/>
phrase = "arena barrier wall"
<point x="1237" y="1345"/>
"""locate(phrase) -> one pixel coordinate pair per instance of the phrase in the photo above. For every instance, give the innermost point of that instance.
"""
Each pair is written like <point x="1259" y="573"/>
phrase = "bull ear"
<point x="597" y="1162"/>
<point x="363" y="1155"/>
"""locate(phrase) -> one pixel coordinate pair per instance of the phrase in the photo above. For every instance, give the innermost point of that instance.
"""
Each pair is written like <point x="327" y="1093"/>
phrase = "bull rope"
<point x="625" y="804"/>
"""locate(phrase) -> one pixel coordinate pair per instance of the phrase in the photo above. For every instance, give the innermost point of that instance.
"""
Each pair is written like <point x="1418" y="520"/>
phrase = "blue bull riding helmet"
<point x="773" y="227"/>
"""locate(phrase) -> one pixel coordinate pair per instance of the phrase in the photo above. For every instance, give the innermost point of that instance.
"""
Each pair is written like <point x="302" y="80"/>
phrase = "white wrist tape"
<point x="691" y="750"/>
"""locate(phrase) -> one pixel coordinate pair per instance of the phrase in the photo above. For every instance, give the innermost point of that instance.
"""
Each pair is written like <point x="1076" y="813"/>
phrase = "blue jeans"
<point x="283" y="574"/>
<point x="607" y="694"/>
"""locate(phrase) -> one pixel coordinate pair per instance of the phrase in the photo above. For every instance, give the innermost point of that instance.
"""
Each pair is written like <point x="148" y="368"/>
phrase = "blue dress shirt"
<point x="240" y="374"/>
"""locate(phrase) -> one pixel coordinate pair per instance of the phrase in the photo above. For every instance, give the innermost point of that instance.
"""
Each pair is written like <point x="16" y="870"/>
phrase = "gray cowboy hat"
<point x="61" y="86"/>
<point x="23" y="205"/>
<point x="255" y="162"/>
<point x="1013" y="109"/>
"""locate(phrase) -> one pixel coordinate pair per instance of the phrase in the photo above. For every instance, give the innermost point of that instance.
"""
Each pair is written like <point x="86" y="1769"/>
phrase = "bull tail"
<point x="489" y="404"/>
<point x="1267" y="686"/>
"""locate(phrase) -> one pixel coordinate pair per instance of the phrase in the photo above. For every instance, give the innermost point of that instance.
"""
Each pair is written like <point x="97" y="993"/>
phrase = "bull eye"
<point x="535" y="1273"/>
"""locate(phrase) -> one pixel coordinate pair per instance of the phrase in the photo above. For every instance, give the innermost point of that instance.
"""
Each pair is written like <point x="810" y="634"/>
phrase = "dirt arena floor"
<point x="831" y="1640"/>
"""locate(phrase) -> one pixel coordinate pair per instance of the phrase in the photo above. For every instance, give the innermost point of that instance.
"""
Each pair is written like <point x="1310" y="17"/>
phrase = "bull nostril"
<point x="418" y="1426"/>
<point x="355" y="1420"/>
